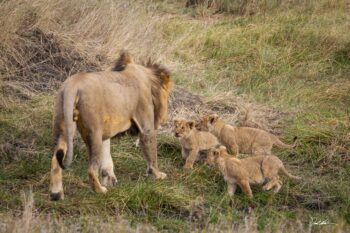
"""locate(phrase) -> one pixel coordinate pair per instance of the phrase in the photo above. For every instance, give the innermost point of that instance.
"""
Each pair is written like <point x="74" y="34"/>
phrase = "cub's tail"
<point x="286" y="173"/>
<point x="281" y="144"/>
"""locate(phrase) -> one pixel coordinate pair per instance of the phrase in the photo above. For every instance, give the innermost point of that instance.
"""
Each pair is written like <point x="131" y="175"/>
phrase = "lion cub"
<point x="251" y="170"/>
<point x="241" y="139"/>
<point x="192" y="141"/>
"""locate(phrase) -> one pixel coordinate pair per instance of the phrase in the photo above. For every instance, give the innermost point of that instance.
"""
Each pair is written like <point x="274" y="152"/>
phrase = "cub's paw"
<point x="102" y="190"/>
<point x="188" y="167"/>
<point x="161" y="176"/>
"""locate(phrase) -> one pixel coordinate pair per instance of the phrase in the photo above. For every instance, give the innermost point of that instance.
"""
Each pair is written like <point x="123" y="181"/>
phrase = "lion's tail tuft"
<point x="59" y="157"/>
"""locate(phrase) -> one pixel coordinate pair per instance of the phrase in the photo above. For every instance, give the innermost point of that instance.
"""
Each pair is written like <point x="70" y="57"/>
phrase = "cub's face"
<point x="214" y="154"/>
<point x="206" y="123"/>
<point x="182" y="127"/>
<point x="202" y="124"/>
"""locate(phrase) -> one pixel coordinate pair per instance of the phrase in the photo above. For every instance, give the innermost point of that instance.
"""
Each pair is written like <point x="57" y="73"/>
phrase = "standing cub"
<point x="241" y="139"/>
<point x="192" y="141"/>
<point x="251" y="170"/>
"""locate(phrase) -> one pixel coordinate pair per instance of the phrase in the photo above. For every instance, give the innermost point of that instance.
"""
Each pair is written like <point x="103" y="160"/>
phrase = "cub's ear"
<point x="222" y="149"/>
<point x="216" y="153"/>
<point x="190" y="124"/>
<point x="213" y="118"/>
<point x="176" y="121"/>
<point x="197" y="125"/>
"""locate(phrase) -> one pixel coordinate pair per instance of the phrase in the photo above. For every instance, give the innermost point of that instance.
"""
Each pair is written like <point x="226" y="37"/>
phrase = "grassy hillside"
<point x="286" y="64"/>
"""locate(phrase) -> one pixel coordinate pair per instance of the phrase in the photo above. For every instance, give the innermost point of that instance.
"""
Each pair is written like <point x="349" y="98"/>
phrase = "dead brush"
<point x="241" y="7"/>
<point x="37" y="61"/>
<point x="38" y="52"/>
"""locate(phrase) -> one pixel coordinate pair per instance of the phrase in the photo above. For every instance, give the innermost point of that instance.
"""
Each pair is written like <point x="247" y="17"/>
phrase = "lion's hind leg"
<point x="94" y="143"/>
<point x="108" y="177"/>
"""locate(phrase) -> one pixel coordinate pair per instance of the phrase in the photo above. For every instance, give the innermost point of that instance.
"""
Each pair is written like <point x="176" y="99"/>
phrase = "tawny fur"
<point x="102" y="105"/>
<point x="251" y="170"/>
<point x="241" y="139"/>
<point x="192" y="141"/>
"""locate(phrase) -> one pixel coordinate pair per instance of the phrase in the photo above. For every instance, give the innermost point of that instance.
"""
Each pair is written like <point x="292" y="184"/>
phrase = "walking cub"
<point x="192" y="141"/>
<point x="241" y="139"/>
<point x="251" y="170"/>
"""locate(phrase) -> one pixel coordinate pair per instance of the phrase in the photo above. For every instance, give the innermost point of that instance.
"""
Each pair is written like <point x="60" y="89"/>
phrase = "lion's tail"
<point x="280" y="144"/>
<point x="69" y="101"/>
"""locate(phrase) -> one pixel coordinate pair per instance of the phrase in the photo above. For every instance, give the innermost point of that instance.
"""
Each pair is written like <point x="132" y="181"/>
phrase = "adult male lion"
<point x="102" y="105"/>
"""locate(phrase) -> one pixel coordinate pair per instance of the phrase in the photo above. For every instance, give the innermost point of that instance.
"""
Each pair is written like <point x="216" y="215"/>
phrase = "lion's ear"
<point x="124" y="59"/>
<point x="213" y="118"/>
<point x="190" y="124"/>
<point x="176" y="121"/>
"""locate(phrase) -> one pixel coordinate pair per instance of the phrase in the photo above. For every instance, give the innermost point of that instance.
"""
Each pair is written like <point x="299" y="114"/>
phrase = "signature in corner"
<point x="315" y="221"/>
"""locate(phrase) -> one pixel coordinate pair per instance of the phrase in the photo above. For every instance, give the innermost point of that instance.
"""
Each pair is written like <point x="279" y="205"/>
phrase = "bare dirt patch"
<point x="235" y="110"/>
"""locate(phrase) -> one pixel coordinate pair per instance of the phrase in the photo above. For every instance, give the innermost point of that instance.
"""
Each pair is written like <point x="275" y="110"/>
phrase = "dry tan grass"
<point x="96" y="28"/>
<point x="38" y="51"/>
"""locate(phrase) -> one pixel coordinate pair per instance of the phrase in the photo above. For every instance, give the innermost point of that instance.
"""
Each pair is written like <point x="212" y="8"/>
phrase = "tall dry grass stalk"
<point x="95" y="27"/>
<point x="247" y="7"/>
